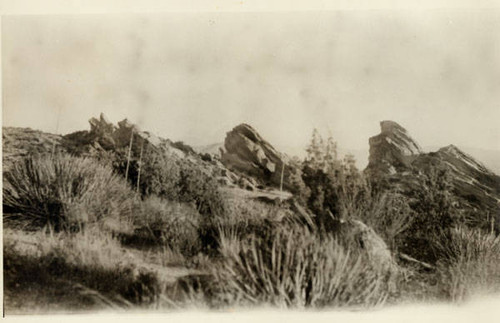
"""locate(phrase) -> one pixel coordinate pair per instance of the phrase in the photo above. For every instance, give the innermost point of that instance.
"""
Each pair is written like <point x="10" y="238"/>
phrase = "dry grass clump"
<point x="296" y="268"/>
<point x="388" y="214"/>
<point x="64" y="192"/>
<point x="470" y="263"/>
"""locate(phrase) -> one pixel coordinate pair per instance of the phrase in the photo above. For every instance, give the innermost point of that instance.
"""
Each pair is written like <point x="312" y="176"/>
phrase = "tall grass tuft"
<point x="470" y="263"/>
<point x="296" y="268"/>
<point x="64" y="191"/>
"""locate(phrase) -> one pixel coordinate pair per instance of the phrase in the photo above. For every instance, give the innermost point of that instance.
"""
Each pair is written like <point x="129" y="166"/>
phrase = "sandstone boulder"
<point x="245" y="151"/>
<point x="368" y="241"/>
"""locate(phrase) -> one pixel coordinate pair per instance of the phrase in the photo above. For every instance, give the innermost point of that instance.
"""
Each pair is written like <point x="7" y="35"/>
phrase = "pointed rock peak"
<point x="450" y="149"/>
<point x="247" y="152"/>
<point x="101" y="125"/>
<point x="244" y="126"/>
<point x="248" y="131"/>
<point x="388" y="126"/>
<point x="392" y="150"/>
<point x="104" y="119"/>
<point x="399" y="137"/>
<point x="126" y="124"/>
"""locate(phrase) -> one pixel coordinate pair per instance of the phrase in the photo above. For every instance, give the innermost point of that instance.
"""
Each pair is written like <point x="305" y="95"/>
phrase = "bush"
<point x="180" y="181"/>
<point x="160" y="222"/>
<point x="64" y="191"/>
<point x="160" y="176"/>
<point x="296" y="268"/>
<point x="197" y="186"/>
<point x="434" y="216"/>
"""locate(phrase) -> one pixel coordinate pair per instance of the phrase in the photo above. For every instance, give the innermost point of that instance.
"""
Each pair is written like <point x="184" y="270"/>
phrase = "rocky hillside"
<point x="398" y="159"/>
<point x="249" y="167"/>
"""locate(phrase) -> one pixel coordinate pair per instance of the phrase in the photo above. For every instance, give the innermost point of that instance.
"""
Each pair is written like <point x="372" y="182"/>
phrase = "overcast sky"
<point x="193" y="77"/>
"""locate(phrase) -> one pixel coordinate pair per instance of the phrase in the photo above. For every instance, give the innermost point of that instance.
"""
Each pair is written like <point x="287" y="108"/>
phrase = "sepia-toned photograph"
<point x="318" y="160"/>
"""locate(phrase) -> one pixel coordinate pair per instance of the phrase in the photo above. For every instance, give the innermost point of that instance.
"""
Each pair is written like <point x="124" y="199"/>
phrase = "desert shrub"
<point x="198" y="186"/>
<point x="161" y="222"/>
<point x="319" y="173"/>
<point x="160" y="176"/>
<point x="336" y="188"/>
<point x="296" y="268"/>
<point x="469" y="263"/>
<point x="64" y="191"/>
<point x="323" y="200"/>
<point x="295" y="183"/>
<point x="178" y="180"/>
<point x="434" y="216"/>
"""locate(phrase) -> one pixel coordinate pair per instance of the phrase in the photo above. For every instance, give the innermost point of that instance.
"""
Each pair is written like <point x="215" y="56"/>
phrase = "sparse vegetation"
<point x="75" y="229"/>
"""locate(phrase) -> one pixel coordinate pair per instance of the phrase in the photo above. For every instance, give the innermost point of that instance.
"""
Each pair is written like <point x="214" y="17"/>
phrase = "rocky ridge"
<point x="105" y="139"/>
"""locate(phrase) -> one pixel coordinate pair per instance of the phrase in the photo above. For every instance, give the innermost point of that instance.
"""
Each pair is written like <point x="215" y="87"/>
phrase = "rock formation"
<point x="105" y="136"/>
<point x="369" y="241"/>
<point x="245" y="151"/>
<point x="392" y="150"/>
<point x="397" y="158"/>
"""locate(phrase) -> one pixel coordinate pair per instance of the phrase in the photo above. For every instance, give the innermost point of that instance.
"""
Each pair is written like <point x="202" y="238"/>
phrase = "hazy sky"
<point x="193" y="77"/>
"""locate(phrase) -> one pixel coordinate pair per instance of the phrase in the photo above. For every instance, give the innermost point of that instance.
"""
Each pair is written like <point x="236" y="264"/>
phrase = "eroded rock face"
<point x="246" y="151"/>
<point x="392" y="150"/>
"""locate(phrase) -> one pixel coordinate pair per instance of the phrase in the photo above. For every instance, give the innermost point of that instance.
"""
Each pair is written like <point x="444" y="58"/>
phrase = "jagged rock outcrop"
<point x="245" y="151"/>
<point x="392" y="150"/>
<point x="104" y="136"/>
<point x="101" y="125"/>
<point x="396" y="158"/>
